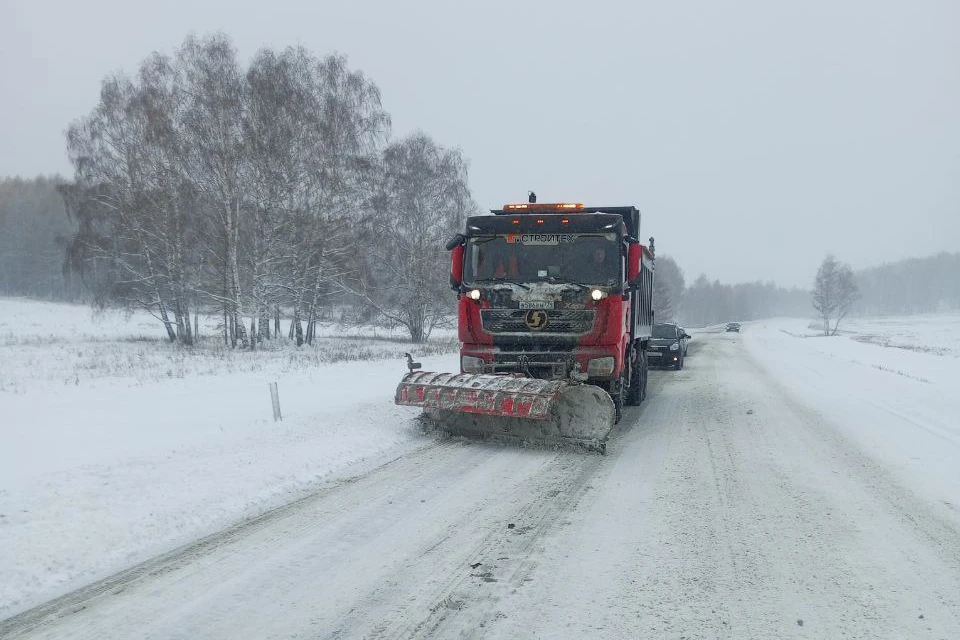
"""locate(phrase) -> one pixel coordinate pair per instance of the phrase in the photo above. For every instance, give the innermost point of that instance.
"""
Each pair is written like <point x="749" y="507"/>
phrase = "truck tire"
<point x="637" y="391"/>
<point x="618" y="391"/>
<point x="646" y="373"/>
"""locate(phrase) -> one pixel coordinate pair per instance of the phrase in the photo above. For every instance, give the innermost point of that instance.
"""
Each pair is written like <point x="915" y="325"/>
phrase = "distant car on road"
<point x="733" y="326"/>
<point x="668" y="346"/>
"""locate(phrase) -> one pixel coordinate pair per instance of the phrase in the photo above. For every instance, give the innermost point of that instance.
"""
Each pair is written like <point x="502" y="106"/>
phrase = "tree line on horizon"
<point x="35" y="230"/>
<point x="708" y="302"/>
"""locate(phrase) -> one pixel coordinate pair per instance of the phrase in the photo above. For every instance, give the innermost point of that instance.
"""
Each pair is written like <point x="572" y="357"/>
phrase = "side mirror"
<point x="456" y="266"/>
<point x="455" y="241"/>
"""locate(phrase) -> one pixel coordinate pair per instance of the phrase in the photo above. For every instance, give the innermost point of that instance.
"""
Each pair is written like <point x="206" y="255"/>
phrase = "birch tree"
<point x="345" y="128"/>
<point x="213" y="125"/>
<point x="279" y="96"/>
<point x="423" y="200"/>
<point x="118" y="206"/>
<point x="834" y="292"/>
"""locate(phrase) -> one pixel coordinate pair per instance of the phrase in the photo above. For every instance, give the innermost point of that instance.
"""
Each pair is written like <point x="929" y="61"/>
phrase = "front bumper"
<point x="599" y="363"/>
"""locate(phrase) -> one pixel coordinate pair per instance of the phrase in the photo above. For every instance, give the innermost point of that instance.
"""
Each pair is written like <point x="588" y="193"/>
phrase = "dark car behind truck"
<point x="668" y="346"/>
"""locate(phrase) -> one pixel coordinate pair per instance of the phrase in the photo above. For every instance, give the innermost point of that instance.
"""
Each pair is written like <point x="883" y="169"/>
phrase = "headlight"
<point x="601" y="366"/>
<point x="471" y="364"/>
<point x="674" y="346"/>
<point x="474" y="294"/>
<point x="597" y="294"/>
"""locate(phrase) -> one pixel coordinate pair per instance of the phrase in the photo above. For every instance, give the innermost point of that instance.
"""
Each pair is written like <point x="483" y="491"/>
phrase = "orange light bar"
<point x="543" y="206"/>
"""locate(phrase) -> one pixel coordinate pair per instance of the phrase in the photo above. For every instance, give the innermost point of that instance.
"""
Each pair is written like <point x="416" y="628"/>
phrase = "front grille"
<point x="575" y="321"/>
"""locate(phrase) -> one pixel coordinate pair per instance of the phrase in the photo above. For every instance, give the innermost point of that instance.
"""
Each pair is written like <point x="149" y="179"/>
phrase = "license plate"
<point x="536" y="304"/>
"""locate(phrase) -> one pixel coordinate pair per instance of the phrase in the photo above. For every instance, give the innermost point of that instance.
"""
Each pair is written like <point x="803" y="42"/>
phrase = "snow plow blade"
<point x="511" y="408"/>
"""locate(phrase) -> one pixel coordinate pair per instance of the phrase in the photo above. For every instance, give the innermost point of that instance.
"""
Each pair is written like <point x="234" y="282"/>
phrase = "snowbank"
<point x="890" y="384"/>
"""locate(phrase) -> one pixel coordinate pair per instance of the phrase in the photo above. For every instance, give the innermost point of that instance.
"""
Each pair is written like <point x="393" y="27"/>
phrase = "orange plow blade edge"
<point x="503" y="407"/>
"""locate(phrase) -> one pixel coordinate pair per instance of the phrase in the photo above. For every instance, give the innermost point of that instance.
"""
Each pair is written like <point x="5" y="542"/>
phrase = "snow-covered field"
<point x="116" y="446"/>
<point x="783" y="484"/>
<point x="891" y="384"/>
<point x="934" y="334"/>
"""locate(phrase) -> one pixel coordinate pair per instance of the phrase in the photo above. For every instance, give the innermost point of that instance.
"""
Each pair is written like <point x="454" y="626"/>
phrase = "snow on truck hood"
<point x="538" y="290"/>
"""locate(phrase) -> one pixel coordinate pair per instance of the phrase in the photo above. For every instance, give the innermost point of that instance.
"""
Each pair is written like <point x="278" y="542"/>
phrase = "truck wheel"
<point x="618" y="391"/>
<point x="637" y="391"/>
<point x="646" y="375"/>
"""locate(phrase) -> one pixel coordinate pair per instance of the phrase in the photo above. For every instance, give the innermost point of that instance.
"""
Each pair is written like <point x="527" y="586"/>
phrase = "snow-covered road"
<point x="729" y="505"/>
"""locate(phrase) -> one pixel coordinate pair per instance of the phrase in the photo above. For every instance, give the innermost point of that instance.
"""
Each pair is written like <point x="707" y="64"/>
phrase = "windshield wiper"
<point x="504" y="279"/>
<point x="560" y="280"/>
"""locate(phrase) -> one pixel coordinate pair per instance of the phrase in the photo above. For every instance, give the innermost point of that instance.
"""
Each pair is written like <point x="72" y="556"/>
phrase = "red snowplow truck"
<point x="555" y="314"/>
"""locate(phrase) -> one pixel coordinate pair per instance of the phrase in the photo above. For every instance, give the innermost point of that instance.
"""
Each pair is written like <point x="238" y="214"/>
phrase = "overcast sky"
<point x="755" y="136"/>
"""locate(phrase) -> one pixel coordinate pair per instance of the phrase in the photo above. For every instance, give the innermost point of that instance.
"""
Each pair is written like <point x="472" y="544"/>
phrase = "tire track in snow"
<point x="467" y="598"/>
<point x="696" y="498"/>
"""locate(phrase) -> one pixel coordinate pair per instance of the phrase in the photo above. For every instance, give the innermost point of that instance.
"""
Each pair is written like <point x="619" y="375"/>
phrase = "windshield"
<point x="554" y="257"/>
<point x="664" y="331"/>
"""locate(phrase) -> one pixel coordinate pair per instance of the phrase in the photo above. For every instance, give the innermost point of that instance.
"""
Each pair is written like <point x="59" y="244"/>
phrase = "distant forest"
<point x="35" y="229"/>
<point x="916" y="285"/>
